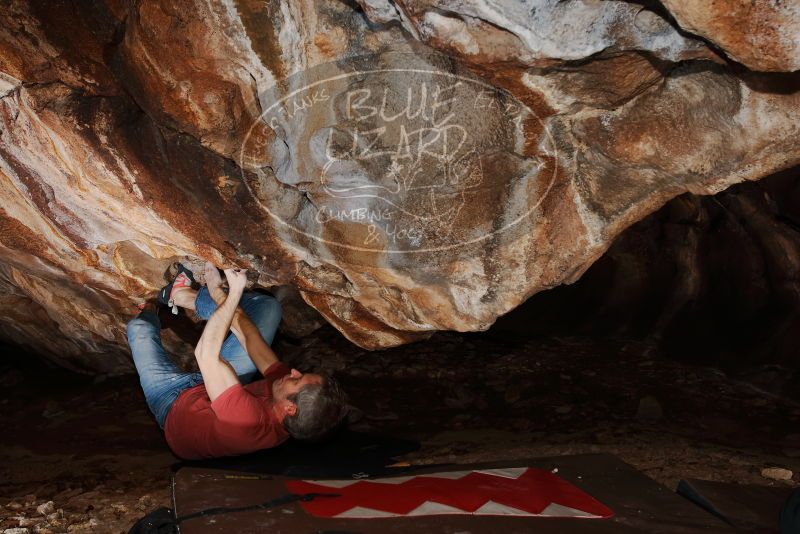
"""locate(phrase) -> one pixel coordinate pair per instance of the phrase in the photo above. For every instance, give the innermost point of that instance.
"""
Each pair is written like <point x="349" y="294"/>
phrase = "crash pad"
<point x="745" y="506"/>
<point x="586" y="493"/>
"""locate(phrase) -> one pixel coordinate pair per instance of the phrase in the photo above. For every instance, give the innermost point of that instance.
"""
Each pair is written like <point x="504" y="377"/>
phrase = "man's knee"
<point x="261" y="306"/>
<point x="273" y="305"/>
<point x="142" y="326"/>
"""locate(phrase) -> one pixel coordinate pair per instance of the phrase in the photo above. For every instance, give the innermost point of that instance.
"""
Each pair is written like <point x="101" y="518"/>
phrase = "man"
<point x="211" y="413"/>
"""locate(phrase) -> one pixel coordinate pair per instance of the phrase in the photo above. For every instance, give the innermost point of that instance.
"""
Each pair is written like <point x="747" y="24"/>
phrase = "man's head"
<point x="309" y="405"/>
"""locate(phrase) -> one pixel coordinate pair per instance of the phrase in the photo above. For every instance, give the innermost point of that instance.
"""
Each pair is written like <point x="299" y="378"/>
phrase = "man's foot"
<point x="181" y="284"/>
<point x="214" y="282"/>
<point x="179" y="292"/>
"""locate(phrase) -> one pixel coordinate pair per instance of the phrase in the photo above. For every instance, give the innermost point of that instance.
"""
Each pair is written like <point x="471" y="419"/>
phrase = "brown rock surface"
<point x="763" y="34"/>
<point x="253" y="133"/>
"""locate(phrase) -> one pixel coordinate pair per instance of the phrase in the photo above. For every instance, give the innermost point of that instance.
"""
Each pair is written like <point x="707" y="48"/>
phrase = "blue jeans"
<point x="161" y="379"/>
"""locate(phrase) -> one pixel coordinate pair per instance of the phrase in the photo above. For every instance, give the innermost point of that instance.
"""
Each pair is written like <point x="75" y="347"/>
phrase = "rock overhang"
<point x="145" y="140"/>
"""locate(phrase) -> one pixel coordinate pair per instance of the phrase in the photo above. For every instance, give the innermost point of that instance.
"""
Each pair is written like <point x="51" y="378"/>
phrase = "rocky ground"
<point x="82" y="454"/>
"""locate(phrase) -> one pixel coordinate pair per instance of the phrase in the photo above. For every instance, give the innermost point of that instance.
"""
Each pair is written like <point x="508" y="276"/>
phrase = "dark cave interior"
<point x="714" y="279"/>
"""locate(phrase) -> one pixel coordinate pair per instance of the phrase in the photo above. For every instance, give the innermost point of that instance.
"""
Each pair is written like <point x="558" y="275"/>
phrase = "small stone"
<point x="29" y="500"/>
<point x="119" y="509"/>
<point x="776" y="473"/>
<point x="146" y="501"/>
<point x="14" y="505"/>
<point x="57" y="523"/>
<point x="29" y="521"/>
<point x="512" y="394"/>
<point x="649" y="409"/>
<point x="16" y="531"/>
<point x="88" y="525"/>
<point x="46" y="508"/>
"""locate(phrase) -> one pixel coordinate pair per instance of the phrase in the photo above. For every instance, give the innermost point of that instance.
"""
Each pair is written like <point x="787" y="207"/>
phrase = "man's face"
<point x="292" y="383"/>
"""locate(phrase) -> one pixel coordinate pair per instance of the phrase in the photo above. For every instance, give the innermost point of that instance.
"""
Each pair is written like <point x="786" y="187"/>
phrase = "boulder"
<point x="399" y="167"/>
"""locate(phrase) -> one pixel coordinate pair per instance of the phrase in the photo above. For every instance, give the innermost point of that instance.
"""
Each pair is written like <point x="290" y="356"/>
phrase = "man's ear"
<point x="287" y="407"/>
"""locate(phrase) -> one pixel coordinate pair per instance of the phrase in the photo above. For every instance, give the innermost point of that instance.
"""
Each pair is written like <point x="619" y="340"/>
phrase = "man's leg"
<point x="204" y="305"/>
<point x="161" y="379"/>
<point x="264" y="312"/>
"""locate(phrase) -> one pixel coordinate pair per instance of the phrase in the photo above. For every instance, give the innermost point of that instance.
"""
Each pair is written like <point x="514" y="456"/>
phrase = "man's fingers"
<point x="236" y="277"/>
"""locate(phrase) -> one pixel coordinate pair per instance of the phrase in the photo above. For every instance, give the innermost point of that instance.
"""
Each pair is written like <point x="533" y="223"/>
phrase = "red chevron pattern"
<point x="526" y="492"/>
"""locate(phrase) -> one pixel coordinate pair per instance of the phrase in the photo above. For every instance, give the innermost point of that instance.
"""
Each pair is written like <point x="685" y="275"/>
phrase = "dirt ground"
<point x="82" y="454"/>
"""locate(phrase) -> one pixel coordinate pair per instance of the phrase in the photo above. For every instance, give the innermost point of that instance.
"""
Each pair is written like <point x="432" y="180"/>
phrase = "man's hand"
<point x="237" y="280"/>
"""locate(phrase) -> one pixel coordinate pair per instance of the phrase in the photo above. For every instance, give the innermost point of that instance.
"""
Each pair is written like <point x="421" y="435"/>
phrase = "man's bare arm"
<point x="248" y="335"/>
<point x="217" y="373"/>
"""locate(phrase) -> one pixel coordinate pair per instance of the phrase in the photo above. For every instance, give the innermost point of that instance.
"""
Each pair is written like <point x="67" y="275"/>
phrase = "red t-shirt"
<point x="239" y="421"/>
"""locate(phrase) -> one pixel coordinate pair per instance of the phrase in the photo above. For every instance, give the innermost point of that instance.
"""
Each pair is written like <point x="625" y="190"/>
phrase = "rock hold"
<point x="46" y="508"/>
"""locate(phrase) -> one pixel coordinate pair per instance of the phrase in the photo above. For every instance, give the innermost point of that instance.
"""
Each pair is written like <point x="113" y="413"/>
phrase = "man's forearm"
<point x="218" y="375"/>
<point x="217" y="328"/>
<point x="254" y="344"/>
